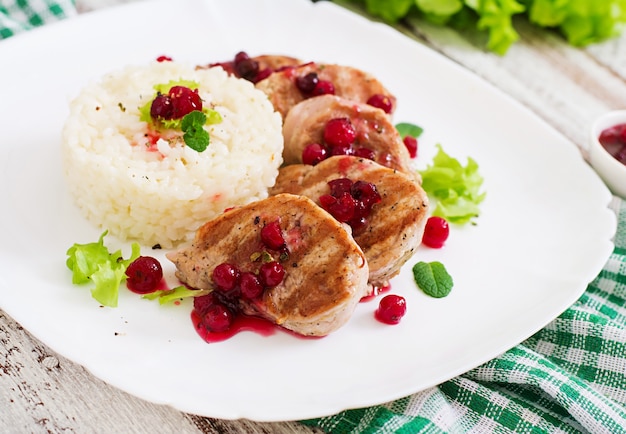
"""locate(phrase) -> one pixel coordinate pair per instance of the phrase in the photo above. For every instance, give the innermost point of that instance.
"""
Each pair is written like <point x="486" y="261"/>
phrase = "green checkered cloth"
<point x="19" y="15"/>
<point x="570" y="377"/>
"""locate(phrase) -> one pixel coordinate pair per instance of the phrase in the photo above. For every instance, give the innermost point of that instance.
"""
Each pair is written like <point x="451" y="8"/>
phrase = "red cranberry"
<point x="164" y="59"/>
<point x="411" y="145"/>
<point x="382" y="102"/>
<point x="271" y="274"/>
<point x="391" y="309"/>
<point x="306" y="83"/>
<point x="217" y="318"/>
<point x="341" y="150"/>
<point x="350" y="202"/>
<point x="339" y="186"/>
<point x="246" y="67"/>
<point x="272" y="236"/>
<point x="162" y="107"/>
<point x="313" y="153"/>
<point x="201" y="304"/>
<point x="144" y="275"/>
<point x="184" y="101"/>
<point x="251" y="287"/>
<point x="342" y="207"/>
<point x="240" y="57"/>
<point x="339" y="132"/>
<point x="365" y="192"/>
<point x="323" y="87"/>
<point x="226" y="276"/>
<point x="436" y="232"/>
<point x="366" y="153"/>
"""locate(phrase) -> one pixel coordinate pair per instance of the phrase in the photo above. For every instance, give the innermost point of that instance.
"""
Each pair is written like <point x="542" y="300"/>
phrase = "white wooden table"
<point x="42" y="392"/>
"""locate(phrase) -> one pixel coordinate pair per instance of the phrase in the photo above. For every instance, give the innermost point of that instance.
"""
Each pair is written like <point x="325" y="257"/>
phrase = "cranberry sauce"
<point x="239" y="324"/>
<point x="376" y="291"/>
<point x="613" y="139"/>
<point x="243" y="283"/>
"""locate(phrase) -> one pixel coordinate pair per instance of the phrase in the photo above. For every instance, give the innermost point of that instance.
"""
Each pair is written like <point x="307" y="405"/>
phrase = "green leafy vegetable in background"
<point x="456" y="188"/>
<point x="433" y="278"/>
<point x="582" y="22"/>
<point x="94" y="263"/>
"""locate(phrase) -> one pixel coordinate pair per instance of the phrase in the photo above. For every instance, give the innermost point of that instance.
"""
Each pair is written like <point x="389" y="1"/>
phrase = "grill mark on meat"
<point x="305" y="123"/>
<point x="396" y="223"/>
<point x="318" y="295"/>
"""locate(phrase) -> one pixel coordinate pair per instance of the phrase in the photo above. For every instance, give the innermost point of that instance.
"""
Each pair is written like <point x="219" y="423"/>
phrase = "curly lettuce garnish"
<point x="92" y="262"/>
<point x="581" y="22"/>
<point x="455" y="188"/>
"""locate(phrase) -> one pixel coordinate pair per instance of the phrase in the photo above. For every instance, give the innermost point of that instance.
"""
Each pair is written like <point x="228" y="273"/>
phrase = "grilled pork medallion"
<point x="338" y="126"/>
<point x="291" y="85"/>
<point x="392" y="229"/>
<point x="311" y="271"/>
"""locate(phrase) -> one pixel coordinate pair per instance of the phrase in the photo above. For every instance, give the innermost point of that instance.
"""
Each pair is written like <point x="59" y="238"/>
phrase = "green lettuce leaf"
<point x="456" y="189"/>
<point x="495" y="16"/>
<point x="582" y="22"/>
<point x="92" y="262"/>
<point x="178" y="293"/>
<point x="389" y="10"/>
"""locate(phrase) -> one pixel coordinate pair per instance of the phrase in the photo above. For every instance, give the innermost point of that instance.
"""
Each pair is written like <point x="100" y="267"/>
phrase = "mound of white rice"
<point x="161" y="194"/>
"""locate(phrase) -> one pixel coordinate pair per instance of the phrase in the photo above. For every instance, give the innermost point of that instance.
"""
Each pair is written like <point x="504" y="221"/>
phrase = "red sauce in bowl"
<point x="613" y="139"/>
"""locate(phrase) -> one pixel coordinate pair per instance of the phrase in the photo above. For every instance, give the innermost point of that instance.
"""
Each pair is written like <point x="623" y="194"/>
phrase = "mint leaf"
<point x="408" y="129"/>
<point x="196" y="137"/>
<point x="432" y="278"/>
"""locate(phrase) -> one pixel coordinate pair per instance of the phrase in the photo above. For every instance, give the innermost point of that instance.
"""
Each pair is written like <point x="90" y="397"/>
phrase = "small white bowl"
<point x="610" y="170"/>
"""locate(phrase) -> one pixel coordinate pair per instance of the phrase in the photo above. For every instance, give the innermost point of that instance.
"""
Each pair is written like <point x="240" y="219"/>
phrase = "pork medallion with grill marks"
<point x="311" y="271"/>
<point x="290" y="85"/>
<point x="392" y="229"/>
<point x="343" y="127"/>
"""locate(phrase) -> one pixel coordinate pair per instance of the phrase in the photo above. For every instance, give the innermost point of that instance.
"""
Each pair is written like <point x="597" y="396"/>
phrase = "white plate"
<point x="544" y="234"/>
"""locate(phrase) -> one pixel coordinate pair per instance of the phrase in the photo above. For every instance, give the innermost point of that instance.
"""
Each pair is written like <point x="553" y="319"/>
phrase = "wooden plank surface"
<point x="42" y="392"/>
